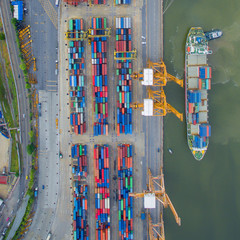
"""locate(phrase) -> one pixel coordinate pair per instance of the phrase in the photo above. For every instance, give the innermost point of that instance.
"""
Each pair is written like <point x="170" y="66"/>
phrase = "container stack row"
<point x="125" y="186"/>
<point x="102" y="192"/>
<point x="75" y="2"/>
<point x="76" y="77"/>
<point x="123" y="72"/>
<point x="79" y="164"/>
<point x="80" y="192"/>
<point x="119" y="2"/>
<point x="80" y="224"/>
<point x="96" y="2"/>
<point x="99" y="76"/>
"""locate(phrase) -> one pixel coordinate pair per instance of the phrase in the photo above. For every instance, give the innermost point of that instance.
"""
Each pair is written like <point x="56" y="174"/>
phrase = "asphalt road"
<point x="48" y="174"/>
<point x="152" y="126"/>
<point x="45" y="49"/>
<point x="23" y="103"/>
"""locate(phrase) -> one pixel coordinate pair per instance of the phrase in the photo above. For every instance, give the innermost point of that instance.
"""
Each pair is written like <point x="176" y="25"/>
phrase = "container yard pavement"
<point x="146" y="137"/>
<point x="137" y="139"/>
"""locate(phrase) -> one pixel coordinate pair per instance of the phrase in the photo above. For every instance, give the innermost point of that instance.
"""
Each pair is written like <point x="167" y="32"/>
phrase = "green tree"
<point x="14" y="21"/>
<point x="31" y="148"/>
<point x="23" y="66"/>
<point x="32" y="136"/>
<point x="2" y="36"/>
<point x="28" y="85"/>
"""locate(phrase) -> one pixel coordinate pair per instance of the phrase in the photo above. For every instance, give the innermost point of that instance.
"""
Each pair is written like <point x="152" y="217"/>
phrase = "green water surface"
<point x="206" y="194"/>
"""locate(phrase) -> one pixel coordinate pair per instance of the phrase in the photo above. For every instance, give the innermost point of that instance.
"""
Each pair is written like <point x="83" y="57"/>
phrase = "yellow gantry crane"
<point x="156" y="75"/>
<point x="156" y="230"/>
<point x="152" y="194"/>
<point x="81" y="35"/>
<point x="156" y="105"/>
<point x="34" y="65"/>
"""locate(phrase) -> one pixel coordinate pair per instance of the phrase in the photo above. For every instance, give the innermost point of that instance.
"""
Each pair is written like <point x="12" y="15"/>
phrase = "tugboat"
<point x="214" y="34"/>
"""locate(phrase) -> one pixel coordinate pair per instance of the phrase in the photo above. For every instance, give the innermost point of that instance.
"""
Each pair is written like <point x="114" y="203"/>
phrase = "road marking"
<point x="52" y="90"/>
<point x="42" y="22"/>
<point x="51" y="81"/>
<point x="36" y="22"/>
<point x="51" y="85"/>
<point x="36" y="30"/>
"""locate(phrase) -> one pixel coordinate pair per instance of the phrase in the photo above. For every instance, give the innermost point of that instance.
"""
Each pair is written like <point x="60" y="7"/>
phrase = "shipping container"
<point x="102" y="191"/>
<point x="125" y="186"/>
<point x="123" y="71"/>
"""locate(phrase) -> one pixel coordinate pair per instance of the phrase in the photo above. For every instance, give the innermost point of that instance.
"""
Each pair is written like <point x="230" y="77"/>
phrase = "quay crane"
<point x="156" y="230"/>
<point x="156" y="105"/>
<point x="156" y="75"/>
<point x="151" y="194"/>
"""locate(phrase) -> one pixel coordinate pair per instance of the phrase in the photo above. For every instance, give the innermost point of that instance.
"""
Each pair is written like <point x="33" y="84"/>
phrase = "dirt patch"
<point x="4" y="150"/>
<point x="3" y="191"/>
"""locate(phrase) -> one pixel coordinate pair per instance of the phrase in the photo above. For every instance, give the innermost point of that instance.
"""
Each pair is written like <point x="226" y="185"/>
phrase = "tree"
<point x="23" y="66"/>
<point x="2" y="36"/>
<point x="30" y="148"/>
<point x="32" y="137"/>
<point x="14" y="21"/>
<point x="28" y="85"/>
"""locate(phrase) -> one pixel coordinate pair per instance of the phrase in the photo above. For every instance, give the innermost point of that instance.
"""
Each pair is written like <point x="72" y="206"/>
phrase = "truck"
<point x="36" y="192"/>
<point x="49" y="236"/>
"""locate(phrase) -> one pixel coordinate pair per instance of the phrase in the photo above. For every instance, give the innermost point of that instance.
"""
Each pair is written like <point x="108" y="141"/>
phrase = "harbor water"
<point x="206" y="194"/>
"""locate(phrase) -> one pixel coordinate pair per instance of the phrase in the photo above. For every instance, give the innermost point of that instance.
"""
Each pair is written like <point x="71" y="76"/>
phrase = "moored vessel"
<point x="213" y="34"/>
<point x="197" y="84"/>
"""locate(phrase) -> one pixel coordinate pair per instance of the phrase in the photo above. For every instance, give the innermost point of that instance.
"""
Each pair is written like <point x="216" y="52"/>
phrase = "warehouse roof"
<point x="18" y="10"/>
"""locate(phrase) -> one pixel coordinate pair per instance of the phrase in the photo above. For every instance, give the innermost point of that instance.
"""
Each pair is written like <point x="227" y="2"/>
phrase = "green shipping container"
<point x="96" y="108"/>
<point x="131" y="182"/>
<point x="120" y="97"/>
<point x="105" y="22"/>
<point x="103" y="108"/>
<point x="121" y="204"/>
<point x="80" y="150"/>
<point x="119" y="215"/>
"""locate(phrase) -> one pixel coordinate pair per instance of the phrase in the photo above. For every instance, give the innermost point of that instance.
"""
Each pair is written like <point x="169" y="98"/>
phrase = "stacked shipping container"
<point x="75" y="2"/>
<point x="98" y="2"/>
<point x="79" y="167"/>
<point x="102" y="196"/>
<point x="79" y="156"/>
<point x="99" y="76"/>
<point x="123" y="72"/>
<point x="119" y="2"/>
<point x="125" y="186"/>
<point x="76" y="78"/>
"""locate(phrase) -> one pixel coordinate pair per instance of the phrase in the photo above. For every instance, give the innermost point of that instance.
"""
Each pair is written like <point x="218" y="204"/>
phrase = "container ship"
<point x="197" y="84"/>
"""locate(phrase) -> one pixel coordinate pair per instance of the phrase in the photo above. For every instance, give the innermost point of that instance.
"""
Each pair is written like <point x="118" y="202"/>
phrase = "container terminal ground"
<point x="147" y="137"/>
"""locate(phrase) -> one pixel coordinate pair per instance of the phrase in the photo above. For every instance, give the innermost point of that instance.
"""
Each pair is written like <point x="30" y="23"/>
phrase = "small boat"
<point x="170" y="151"/>
<point x="214" y="34"/>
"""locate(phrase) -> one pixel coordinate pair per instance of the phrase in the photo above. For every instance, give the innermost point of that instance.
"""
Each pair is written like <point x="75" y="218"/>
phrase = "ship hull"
<point x="197" y="52"/>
